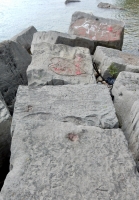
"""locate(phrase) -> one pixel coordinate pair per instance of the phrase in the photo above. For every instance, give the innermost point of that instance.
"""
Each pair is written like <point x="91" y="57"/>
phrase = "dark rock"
<point x="5" y="136"/>
<point x="71" y="1"/>
<point x="14" y="60"/>
<point x="25" y="37"/>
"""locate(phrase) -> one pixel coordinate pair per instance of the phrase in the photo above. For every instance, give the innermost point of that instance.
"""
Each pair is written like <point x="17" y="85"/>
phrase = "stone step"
<point x="14" y="61"/>
<point x="5" y="137"/>
<point x="126" y="95"/>
<point x="55" y="37"/>
<point x="57" y="64"/>
<point x="63" y="161"/>
<point x="104" y="32"/>
<point x="111" y="59"/>
<point x="25" y="37"/>
<point x="80" y="104"/>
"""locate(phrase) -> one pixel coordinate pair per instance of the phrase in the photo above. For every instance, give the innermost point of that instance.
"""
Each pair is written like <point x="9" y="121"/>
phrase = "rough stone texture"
<point x="25" y="37"/>
<point x="55" y="37"/>
<point x="46" y="163"/>
<point x="104" y="32"/>
<point x="80" y="104"/>
<point x="14" y="61"/>
<point x="57" y="64"/>
<point x="126" y="95"/>
<point x="107" y="57"/>
<point x="5" y="137"/>
<point x="133" y="130"/>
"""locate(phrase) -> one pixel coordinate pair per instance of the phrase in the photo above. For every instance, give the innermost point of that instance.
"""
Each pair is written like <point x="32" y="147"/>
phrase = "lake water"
<point x="16" y="15"/>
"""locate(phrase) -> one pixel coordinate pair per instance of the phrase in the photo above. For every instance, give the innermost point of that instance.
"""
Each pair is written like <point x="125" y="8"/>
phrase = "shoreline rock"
<point x="55" y="37"/>
<point x="14" y="60"/>
<point x="25" y="37"/>
<point x="103" y="31"/>
<point x="108" y="58"/>
<point x="71" y="1"/>
<point x="58" y="64"/>
<point x="126" y="95"/>
<point x="108" y="5"/>
<point x="45" y="157"/>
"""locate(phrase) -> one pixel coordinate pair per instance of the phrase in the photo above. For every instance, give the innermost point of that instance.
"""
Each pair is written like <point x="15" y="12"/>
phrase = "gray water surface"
<point x="16" y="15"/>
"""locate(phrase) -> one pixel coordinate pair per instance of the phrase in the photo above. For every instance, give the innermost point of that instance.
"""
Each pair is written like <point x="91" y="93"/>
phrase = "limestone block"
<point x="57" y="64"/>
<point x="25" y="37"/>
<point x="107" y="57"/>
<point x="126" y="94"/>
<point x="104" y="32"/>
<point x="133" y="130"/>
<point x="57" y="160"/>
<point x="14" y="61"/>
<point x="80" y="104"/>
<point x="5" y="137"/>
<point x="55" y="37"/>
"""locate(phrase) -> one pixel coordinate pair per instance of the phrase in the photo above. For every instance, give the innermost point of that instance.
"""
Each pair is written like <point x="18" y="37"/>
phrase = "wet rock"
<point x="25" y="37"/>
<point x="108" y="5"/>
<point x="5" y="137"/>
<point x="14" y="61"/>
<point x="80" y="104"/>
<point x="55" y="37"/>
<point x="126" y="95"/>
<point x="112" y="61"/>
<point x="104" y="32"/>
<point x="59" y="65"/>
<point x="71" y="1"/>
<point x="47" y="164"/>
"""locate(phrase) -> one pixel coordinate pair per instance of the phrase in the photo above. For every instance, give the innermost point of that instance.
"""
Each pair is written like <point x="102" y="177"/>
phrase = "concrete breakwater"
<point x="69" y="139"/>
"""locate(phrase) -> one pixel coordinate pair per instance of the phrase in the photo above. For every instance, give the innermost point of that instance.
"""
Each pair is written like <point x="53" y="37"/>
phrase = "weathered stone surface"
<point x="25" y="37"/>
<point x="56" y="160"/>
<point x="5" y="137"/>
<point x="14" y="61"/>
<point x="126" y="95"/>
<point x="59" y="65"/>
<point x="80" y="104"/>
<point x="107" y="57"/>
<point x="55" y="37"/>
<point x="104" y="32"/>
<point x="132" y="129"/>
<point x="108" y="5"/>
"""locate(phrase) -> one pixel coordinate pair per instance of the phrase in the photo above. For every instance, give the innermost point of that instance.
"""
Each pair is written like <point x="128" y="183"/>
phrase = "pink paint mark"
<point x="110" y="29"/>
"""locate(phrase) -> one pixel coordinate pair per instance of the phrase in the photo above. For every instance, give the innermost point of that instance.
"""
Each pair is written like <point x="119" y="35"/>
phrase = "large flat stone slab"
<point x="104" y="32"/>
<point x="55" y="37"/>
<point x="126" y="95"/>
<point x="57" y="64"/>
<point x="107" y="58"/>
<point x="133" y="130"/>
<point x="14" y="61"/>
<point x="25" y="37"/>
<point x="80" y="104"/>
<point x="56" y="160"/>
<point x="5" y="136"/>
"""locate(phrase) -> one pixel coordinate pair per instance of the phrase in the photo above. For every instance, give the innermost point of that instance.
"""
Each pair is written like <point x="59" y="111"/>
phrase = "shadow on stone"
<point x="4" y="170"/>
